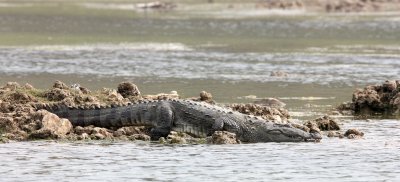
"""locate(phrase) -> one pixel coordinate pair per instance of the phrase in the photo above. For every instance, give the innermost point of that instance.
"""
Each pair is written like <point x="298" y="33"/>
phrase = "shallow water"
<point x="374" y="158"/>
<point x="231" y="55"/>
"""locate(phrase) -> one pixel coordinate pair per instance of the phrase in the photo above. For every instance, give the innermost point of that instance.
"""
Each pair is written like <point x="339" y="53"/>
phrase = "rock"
<point x="112" y="95"/>
<point x="83" y="136"/>
<point x="375" y="99"/>
<point x="324" y="123"/>
<point x="60" y="85"/>
<point x="79" y="130"/>
<point x="276" y="115"/>
<point x="128" y="89"/>
<point x="353" y="134"/>
<point x="334" y="134"/>
<point x="205" y="96"/>
<point x="51" y="126"/>
<point x="223" y="137"/>
<point x="177" y="138"/>
<point x="313" y="127"/>
<point x="57" y="94"/>
<point x="7" y="124"/>
<point x="142" y="137"/>
<point x="389" y="86"/>
<point x="20" y="98"/>
<point x="270" y="102"/>
<point x="101" y="133"/>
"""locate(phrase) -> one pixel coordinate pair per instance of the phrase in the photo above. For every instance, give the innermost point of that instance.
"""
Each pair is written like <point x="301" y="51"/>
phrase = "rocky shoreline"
<point x="21" y="121"/>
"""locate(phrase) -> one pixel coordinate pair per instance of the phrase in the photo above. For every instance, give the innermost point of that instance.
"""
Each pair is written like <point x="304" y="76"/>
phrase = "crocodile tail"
<point x="97" y="116"/>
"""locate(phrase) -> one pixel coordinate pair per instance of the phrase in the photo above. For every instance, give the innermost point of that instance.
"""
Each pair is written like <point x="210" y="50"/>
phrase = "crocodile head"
<point x="267" y="132"/>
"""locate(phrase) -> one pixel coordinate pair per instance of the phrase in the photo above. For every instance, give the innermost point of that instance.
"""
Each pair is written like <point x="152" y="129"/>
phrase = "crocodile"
<point x="195" y="118"/>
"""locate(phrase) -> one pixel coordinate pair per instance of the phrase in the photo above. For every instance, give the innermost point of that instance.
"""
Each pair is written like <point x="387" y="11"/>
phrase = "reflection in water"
<point x="374" y="158"/>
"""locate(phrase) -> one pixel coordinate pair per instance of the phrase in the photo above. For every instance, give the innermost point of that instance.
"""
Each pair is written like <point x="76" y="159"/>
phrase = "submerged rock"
<point x="353" y="134"/>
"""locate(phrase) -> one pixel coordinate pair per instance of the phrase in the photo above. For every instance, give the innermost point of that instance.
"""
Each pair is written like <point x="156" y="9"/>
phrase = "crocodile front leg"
<point x="164" y="120"/>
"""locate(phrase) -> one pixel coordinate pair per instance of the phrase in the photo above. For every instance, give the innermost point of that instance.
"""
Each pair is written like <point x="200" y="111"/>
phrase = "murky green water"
<point x="189" y="50"/>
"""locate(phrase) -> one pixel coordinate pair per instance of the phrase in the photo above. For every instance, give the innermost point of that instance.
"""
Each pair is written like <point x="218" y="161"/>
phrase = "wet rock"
<point x="223" y="137"/>
<point x="270" y="102"/>
<point x="353" y="134"/>
<point x="313" y="127"/>
<point x="128" y="89"/>
<point x="142" y="137"/>
<point x="324" y="123"/>
<point x="177" y="138"/>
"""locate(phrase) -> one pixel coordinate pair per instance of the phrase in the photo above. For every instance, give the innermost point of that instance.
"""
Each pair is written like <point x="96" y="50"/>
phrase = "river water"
<point x="325" y="57"/>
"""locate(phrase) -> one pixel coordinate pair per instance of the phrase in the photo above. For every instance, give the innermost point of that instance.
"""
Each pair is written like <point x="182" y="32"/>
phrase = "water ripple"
<point x="177" y="61"/>
<point x="374" y="158"/>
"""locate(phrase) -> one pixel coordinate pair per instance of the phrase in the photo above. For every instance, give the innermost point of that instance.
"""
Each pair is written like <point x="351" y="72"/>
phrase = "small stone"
<point x="205" y="96"/>
<point x="128" y="89"/>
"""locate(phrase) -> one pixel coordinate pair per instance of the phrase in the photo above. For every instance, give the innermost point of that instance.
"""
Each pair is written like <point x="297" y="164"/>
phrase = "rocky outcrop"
<point x="381" y="99"/>
<point x="277" y="115"/>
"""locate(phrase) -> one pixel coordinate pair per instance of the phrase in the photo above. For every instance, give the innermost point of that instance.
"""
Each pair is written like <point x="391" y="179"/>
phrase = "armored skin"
<point x="196" y="118"/>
